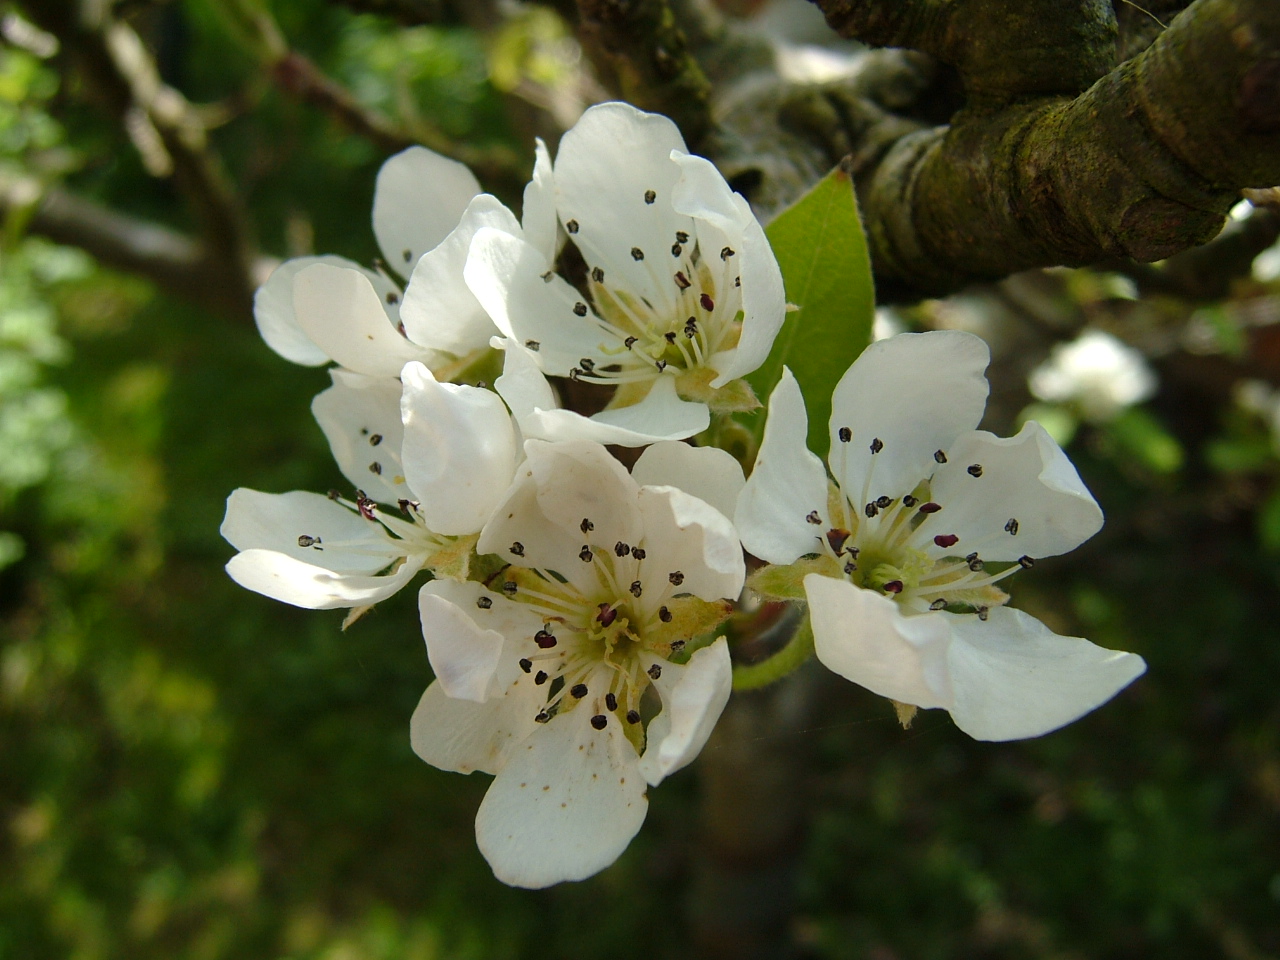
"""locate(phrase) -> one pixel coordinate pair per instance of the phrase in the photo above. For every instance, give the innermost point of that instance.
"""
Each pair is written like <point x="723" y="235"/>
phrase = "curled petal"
<point x="360" y="417"/>
<point x="539" y="222"/>
<point x="465" y="642"/>
<point x="418" y="198"/>
<point x="302" y="584"/>
<point x="565" y="805"/>
<point x="683" y="533"/>
<point x="1013" y="678"/>
<point x="707" y="473"/>
<point x="464" y="736"/>
<point x="693" y="697"/>
<point x="786" y="485"/>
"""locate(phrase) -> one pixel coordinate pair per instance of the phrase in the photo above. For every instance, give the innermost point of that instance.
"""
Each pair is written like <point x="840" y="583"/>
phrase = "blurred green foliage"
<point x="192" y="772"/>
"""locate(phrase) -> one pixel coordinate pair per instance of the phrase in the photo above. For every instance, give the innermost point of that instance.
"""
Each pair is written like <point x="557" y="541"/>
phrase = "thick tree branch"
<point x="1142" y="165"/>
<point x="641" y="52"/>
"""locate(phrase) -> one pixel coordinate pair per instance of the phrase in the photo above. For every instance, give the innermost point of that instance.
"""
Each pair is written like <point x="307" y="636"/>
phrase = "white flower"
<point x="541" y="676"/>
<point x="925" y="516"/>
<point x="426" y="210"/>
<point x="681" y="294"/>
<point x="1097" y="372"/>
<point x="445" y="462"/>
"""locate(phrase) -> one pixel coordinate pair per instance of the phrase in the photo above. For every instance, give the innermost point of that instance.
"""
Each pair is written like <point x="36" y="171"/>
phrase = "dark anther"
<point x="655" y="672"/>
<point x="676" y="249"/>
<point x="983" y="613"/>
<point x="1011" y="528"/>
<point x="813" y="518"/>
<point x="375" y="468"/>
<point x="850" y="567"/>
<point x="597" y="275"/>
<point x="542" y="717"/>
<point x="517" y="548"/>
<point x="365" y="505"/>
<point x="586" y="526"/>
<point x="976" y="565"/>
<point x="408" y="506"/>
<point x="585" y="554"/>
<point x="971" y="557"/>
<point x="630" y="342"/>
<point x="572" y="226"/>
<point x="544" y="639"/>
<point x="375" y="439"/>
<point x="661" y="365"/>
<point x="726" y="253"/>
<point x="737" y="281"/>
<point x="546" y="277"/>
<point x="580" y="309"/>
<point x="930" y="507"/>
<point x="893" y="586"/>
<point x="533" y="345"/>
<point x="393" y="297"/>
<point x="877" y="445"/>
<point x="909" y="501"/>
<point x="578" y="690"/>
<point x="664" y="614"/>
<point x="938" y="604"/>
<point x="588" y="365"/>
<point x="837" y="540"/>
<point x="305" y="540"/>
<point x="407" y="254"/>
<point x="611" y="701"/>
<point x="974" y="469"/>
<point x="1026" y="563"/>
<point x="633" y="716"/>
<point x="681" y="237"/>
<point x="677" y="646"/>
<point x="333" y="495"/>
<point x="621" y="549"/>
<point x="670" y="336"/>
<point x="650" y="196"/>
<point x="526" y="664"/>
<point x="845" y="434"/>
<point x="853" y="552"/>
<point x="607" y="614"/>
<point x="675" y="577"/>
<point x="946" y="539"/>
<point x="484" y="603"/>
<point x="706" y="302"/>
<point x="939" y="456"/>
<point x="540" y="678"/>
<point x="884" y="502"/>
<point x="682" y="281"/>
<point x="638" y="553"/>
<point x="637" y="253"/>
<point x="575" y="373"/>
<point x="599" y="721"/>
<point x="636" y="588"/>
<point x="509" y="586"/>
<point x="870" y="510"/>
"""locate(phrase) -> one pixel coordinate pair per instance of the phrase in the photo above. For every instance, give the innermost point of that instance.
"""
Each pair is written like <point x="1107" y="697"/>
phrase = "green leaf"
<point x="822" y="251"/>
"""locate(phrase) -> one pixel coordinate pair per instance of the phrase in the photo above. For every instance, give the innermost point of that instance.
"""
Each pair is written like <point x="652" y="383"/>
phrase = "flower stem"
<point x="756" y="675"/>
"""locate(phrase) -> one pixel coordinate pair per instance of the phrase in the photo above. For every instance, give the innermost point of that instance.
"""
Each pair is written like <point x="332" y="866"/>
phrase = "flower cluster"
<point x="573" y="610"/>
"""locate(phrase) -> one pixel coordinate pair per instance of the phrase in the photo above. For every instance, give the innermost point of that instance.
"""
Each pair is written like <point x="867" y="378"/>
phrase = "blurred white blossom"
<point x="1095" y="372"/>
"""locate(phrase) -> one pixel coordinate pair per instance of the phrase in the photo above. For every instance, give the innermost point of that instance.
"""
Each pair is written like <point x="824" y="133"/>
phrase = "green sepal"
<point x="786" y="581"/>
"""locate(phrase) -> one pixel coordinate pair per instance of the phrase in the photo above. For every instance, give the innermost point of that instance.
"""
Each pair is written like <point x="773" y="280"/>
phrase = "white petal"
<point x="707" y="473"/>
<point x="465" y="642"/>
<point x="418" y="198"/>
<point x="464" y="736"/>
<point x="764" y="304"/>
<point x="341" y="312"/>
<point x="577" y="480"/>
<point x="345" y="542"/>
<point x="1015" y="678"/>
<point x="459" y="452"/>
<point x="685" y="534"/>
<point x="603" y="170"/>
<point x="273" y="308"/>
<point x="353" y="413"/>
<point x="1026" y="478"/>
<point x="704" y="194"/>
<point x="565" y="805"/>
<point x="863" y="636"/>
<point x="661" y="415"/>
<point x="439" y="311"/>
<point x="693" y="697"/>
<point x="539" y="220"/>
<point x="786" y="484"/>
<point x="507" y="276"/>
<point x="302" y="584"/>
<point x="915" y="393"/>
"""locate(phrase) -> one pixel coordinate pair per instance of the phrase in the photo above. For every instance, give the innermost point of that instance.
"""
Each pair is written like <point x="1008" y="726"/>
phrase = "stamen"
<point x="974" y="469"/>
<point x="939" y="456"/>
<point x="375" y="439"/>
<point x="850" y="567"/>
<point x="611" y="701"/>
<point x="533" y="345"/>
<point x="893" y="586"/>
<point x="542" y="717"/>
<point x="637" y="253"/>
<point x="308" y="541"/>
<point x="676" y="250"/>
<point x="546" y="277"/>
<point x="706" y="302"/>
<point x="682" y="281"/>
<point x="572" y="226"/>
<point x="1011" y="527"/>
<point x="845" y="434"/>
<point x="599" y="721"/>
<point x="621" y="549"/>
<point x="930" y="507"/>
<point x="585" y="554"/>
<point x="580" y="309"/>
<point x="636" y="588"/>
<point x="681" y="237"/>
<point x="509" y="587"/>
<point x="870" y="510"/>
<point x="677" y="646"/>
<point x="1026" y="563"/>
<point x="484" y="603"/>
<point x="812" y="517"/>
<point x="664" y="614"/>
<point x="633" y="716"/>
<point x="876" y="446"/>
<point x="586" y="526"/>
<point x="638" y="553"/>
<point x="597" y="274"/>
<point x="650" y="196"/>
<point x="726" y="253"/>
<point x="607" y="614"/>
<point x="676" y="578"/>
<point x="938" y="604"/>
<point x="408" y="506"/>
<point x="540" y="678"/>
<point x="945" y="540"/>
<point x="517" y="548"/>
<point x="909" y="501"/>
<point x="578" y="691"/>
<point x="884" y="502"/>
<point x="526" y="664"/>
<point x="655" y="671"/>
<point x="375" y="468"/>
<point x="983" y="613"/>
<point x="630" y="342"/>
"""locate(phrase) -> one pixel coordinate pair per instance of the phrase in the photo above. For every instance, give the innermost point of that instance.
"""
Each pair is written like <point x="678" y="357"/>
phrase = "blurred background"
<point x="188" y="770"/>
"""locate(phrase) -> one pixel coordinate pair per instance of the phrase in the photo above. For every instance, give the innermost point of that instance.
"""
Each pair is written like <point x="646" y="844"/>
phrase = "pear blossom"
<point x="542" y="672"/>
<point x="440" y="455"/>
<point x="681" y="295"/>
<point x="1096" y="372"/>
<point x="922" y="518"/>
<point x="426" y="211"/>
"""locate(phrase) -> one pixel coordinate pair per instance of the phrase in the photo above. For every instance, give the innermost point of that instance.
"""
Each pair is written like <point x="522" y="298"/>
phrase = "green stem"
<point x="753" y="676"/>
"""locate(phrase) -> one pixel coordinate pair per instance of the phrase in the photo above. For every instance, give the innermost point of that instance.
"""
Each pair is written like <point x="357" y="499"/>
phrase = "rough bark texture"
<point x="1143" y="164"/>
